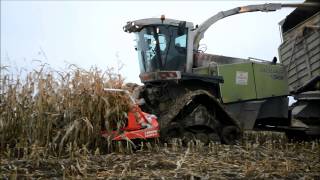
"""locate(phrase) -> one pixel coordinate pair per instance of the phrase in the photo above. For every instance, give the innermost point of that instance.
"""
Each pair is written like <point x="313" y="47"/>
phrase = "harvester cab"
<point x="161" y="46"/>
<point x="167" y="47"/>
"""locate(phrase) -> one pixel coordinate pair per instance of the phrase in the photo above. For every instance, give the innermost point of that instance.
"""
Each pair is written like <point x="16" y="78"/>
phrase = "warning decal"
<point x="241" y="78"/>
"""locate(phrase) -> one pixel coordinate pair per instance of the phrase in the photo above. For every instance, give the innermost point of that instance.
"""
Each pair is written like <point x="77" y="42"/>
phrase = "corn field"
<point x="56" y="110"/>
<point x="51" y="123"/>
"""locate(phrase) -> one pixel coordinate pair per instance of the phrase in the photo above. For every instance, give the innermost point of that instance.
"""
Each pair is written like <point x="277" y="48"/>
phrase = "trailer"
<point x="300" y="53"/>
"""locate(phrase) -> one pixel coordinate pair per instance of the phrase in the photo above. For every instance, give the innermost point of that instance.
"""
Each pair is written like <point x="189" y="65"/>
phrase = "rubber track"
<point x="181" y="102"/>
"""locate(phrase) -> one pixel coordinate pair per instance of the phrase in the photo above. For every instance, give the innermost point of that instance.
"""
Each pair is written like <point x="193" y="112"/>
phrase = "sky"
<point x="89" y="33"/>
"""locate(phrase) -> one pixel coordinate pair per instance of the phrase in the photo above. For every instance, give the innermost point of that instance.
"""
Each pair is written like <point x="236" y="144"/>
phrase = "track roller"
<point x="230" y="134"/>
<point x="203" y="138"/>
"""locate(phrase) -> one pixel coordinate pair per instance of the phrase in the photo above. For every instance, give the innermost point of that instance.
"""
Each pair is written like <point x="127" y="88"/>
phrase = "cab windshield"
<point x="161" y="48"/>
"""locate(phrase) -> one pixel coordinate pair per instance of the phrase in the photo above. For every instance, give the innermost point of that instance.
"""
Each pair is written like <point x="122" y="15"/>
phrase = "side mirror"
<point x="181" y="28"/>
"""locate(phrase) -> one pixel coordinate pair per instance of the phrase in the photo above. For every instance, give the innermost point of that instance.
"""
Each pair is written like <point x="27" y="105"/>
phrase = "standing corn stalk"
<point x="53" y="108"/>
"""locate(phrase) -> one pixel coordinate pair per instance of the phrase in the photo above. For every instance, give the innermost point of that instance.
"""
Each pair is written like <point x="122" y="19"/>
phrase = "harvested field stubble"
<point x="50" y="126"/>
<point x="270" y="158"/>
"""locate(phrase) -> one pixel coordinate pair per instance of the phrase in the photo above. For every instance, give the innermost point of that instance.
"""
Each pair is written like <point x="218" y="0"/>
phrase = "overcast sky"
<point x="90" y="33"/>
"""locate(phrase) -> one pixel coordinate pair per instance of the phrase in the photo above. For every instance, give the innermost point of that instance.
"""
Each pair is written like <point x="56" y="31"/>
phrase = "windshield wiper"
<point x="156" y="37"/>
<point x="143" y="61"/>
<point x="169" y="44"/>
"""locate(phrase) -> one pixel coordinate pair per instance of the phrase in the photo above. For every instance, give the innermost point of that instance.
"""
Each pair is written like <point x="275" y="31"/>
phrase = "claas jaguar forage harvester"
<point x="203" y="96"/>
